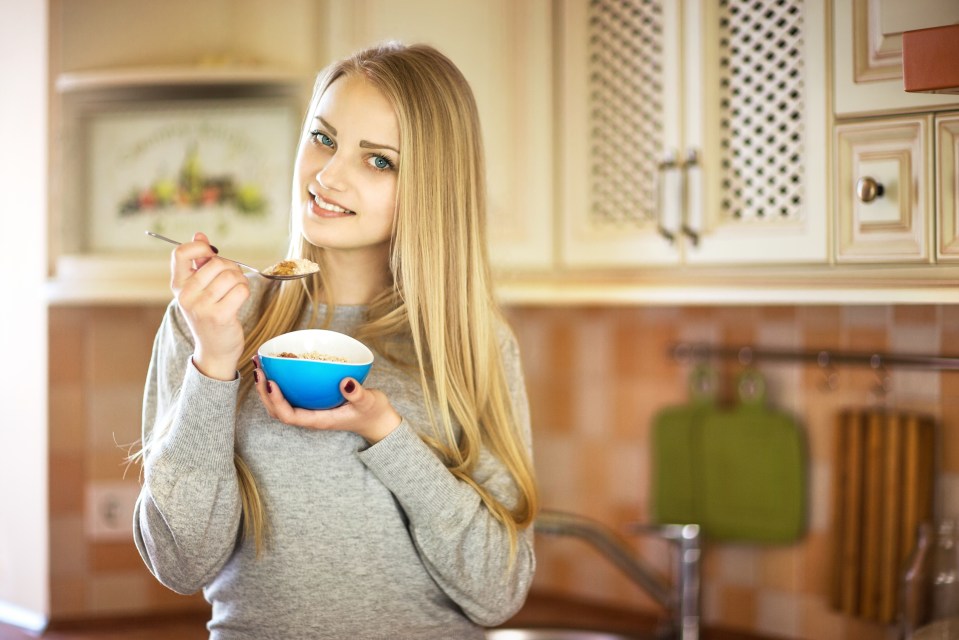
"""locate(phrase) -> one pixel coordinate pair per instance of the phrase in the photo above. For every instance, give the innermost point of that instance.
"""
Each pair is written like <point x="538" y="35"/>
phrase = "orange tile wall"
<point x="596" y="378"/>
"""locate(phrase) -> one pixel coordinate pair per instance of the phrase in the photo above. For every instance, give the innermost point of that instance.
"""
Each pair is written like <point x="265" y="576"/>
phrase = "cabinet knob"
<point x="867" y="189"/>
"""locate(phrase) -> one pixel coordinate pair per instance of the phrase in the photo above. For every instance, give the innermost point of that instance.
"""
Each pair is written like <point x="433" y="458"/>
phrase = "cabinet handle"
<point x="692" y="183"/>
<point x="665" y="167"/>
<point x="867" y="189"/>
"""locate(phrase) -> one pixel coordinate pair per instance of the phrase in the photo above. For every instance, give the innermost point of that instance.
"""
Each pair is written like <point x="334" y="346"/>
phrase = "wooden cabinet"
<point x="884" y="203"/>
<point x="867" y="49"/>
<point x="896" y="189"/>
<point x="894" y="185"/>
<point x="504" y="48"/>
<point x="127" y="104"/>
<point x="692" y="133"/>
<point x="947" y="186"/>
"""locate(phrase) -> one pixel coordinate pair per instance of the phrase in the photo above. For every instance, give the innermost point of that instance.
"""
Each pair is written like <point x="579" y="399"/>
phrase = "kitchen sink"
<point x="555" y="634"/>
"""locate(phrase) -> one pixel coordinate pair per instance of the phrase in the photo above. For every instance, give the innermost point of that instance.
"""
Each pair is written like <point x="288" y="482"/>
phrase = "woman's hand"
<point x="367" y="412"/>
<point x="210" y="292"/>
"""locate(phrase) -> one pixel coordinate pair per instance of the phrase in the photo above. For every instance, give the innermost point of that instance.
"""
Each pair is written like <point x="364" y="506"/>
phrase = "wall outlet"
<point x="109" y="510"/>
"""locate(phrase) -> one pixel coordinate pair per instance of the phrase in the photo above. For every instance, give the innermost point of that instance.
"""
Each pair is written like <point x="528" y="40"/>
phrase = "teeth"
<point x="322" y="204"/>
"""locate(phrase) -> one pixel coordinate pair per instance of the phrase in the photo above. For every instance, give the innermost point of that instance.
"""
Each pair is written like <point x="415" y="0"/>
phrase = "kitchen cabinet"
<point x="692" y="133"/>
<point x="161" y="93"/>
<point x="947" y="186"/>
<point x="894" y="183"/>
<point x="896" y="189"/>
<point x="504" y="49"/>
<point x="884" y="208"/>
<point x="867" y="52"/>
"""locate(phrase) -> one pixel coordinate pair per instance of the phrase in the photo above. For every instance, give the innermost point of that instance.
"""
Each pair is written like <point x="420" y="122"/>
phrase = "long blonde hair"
<point x="441" y="302"/>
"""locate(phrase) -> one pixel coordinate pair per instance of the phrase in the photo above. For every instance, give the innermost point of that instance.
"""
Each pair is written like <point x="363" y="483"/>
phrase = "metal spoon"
<point x="268" y="276"/>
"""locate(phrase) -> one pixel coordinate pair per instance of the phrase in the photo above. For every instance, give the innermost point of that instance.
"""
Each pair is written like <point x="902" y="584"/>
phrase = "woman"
<point x="406" y="512"/>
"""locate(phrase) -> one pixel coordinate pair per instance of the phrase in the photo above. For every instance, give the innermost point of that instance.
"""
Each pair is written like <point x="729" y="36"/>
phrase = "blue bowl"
<point x="314" y="383"/>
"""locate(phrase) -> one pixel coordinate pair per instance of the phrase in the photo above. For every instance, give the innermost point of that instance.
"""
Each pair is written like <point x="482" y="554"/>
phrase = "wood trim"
<point x="877" y="56"/>
<point x="907" y="143"/>
<point x="947" y="187"/>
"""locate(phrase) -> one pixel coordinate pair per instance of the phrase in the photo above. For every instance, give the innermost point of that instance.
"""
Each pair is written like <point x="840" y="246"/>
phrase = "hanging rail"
<point x="822" y="357"/>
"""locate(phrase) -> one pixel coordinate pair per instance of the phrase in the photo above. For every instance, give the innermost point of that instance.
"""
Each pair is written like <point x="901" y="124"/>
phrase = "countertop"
<point x="541" y="610"/>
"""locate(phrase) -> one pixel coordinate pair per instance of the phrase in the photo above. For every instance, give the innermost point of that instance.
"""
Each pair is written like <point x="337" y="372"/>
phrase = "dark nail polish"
<point x="256" y="377"/>
<point x="269" y="387"/>
<point x="349" y="386"/>
<point x="214" y="249"/>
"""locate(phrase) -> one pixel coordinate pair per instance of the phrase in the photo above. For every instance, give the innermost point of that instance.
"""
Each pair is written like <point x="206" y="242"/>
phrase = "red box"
<point x="930" y="60"/>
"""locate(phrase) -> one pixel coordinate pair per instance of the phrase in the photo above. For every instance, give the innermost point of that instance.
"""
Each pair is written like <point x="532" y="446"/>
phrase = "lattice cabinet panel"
<point x="762" y="83"/>
<point x="626" y="109"/>
<point x="693" y="131"/>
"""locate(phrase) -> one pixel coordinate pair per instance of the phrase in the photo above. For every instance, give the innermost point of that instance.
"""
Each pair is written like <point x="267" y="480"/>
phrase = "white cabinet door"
<point x="757" y="116"/>
<point x="868" y="53"/>
<point x="504" y="49"/>
<point x="947" y="185"/>
<point x="620" y="120"/>
<point x="883" y="186"/>
<point x="732" y="95"/>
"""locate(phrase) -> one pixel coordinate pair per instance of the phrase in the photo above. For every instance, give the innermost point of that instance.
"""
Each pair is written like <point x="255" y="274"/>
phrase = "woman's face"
<point x="346" y="169"/>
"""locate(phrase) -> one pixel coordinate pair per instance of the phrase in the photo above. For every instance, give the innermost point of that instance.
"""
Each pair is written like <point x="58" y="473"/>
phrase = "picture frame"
<point x="175" y="166"/>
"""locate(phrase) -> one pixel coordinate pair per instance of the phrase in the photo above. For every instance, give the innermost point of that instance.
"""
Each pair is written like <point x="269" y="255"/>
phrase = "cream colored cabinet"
<point x="884" y="199"/>
<point x="867" y="50"/>
<point x="947" y="186"/>
<point x="692" y="133"/>
<point x="504" y="49"/>
<point x="896" y="190"/>
<point x="134" y="113"/>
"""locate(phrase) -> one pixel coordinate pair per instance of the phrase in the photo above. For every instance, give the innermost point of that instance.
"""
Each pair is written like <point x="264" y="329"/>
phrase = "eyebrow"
<point x="366" y="144"/>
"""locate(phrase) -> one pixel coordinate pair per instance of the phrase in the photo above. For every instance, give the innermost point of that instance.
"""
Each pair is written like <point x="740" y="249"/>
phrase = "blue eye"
<point x="322" y="138"/>
<point x="381" y="163"/>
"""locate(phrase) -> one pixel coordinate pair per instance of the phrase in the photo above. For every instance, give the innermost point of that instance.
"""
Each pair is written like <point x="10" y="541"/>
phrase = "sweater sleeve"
<point x="463" y="546"/>
<point x="187" y="516"/>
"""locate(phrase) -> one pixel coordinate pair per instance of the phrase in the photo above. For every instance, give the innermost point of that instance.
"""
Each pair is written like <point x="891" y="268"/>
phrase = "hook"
<point x="830" y="380"/>
<point x="883" y="382"/>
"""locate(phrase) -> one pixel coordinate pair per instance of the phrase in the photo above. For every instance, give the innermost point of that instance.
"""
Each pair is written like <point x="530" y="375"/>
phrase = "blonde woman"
<point x="406" y="512"/>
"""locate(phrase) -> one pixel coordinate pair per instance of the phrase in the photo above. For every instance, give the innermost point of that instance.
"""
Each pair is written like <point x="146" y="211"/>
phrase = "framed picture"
<point x="221" y="166"/>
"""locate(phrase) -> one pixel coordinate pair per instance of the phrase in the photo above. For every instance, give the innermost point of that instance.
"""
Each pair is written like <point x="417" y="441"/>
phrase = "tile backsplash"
<point x="596" y="379"/>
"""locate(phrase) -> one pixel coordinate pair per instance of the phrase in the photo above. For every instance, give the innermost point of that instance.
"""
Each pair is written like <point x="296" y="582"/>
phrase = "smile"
<point x="321" y="204"/>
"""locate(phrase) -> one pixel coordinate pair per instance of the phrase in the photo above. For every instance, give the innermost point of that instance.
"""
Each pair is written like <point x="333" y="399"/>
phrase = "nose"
<point x="330" y="176"/>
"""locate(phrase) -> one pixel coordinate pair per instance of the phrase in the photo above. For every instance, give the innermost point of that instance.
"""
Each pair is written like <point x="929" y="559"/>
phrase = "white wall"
<point x="24" y="588"/>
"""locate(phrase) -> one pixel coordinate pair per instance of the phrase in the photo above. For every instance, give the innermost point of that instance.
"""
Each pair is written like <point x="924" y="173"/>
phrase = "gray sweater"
<point x="364" y="541"/>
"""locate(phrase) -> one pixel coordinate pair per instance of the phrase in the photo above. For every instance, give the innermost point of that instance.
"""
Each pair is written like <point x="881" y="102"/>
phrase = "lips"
<point x="325" y="208"/>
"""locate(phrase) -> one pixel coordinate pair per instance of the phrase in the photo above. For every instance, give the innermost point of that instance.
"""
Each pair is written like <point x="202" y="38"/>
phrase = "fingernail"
<point x="269" y="387"/>
<point x="349" y="386"/>
<point x="256" y="377"/>
<point x="215" y="250"/>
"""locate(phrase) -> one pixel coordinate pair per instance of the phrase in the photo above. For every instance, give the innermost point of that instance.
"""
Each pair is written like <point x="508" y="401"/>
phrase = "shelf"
<point x="176" y="76"/>
<point x="136" y="280"/>
<point x="759" y="285"/>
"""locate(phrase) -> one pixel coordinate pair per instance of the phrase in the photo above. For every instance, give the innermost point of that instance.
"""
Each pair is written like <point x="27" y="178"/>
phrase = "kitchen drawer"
<point x="947" y="187"/>
<point x="884" y="191"/>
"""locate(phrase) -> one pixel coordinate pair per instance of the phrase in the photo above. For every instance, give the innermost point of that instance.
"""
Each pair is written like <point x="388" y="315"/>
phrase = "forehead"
<point x="355" y="106"/>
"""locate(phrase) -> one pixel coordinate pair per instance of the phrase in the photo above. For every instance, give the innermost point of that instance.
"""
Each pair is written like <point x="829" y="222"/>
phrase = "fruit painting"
<point x="221" y="166"/>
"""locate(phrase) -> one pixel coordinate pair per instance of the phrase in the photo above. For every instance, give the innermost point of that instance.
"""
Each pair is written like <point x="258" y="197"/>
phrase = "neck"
<point x="355" y="277"/>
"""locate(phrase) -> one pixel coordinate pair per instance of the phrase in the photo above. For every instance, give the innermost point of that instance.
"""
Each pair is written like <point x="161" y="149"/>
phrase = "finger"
<point x="356" y="394"/>
<point x="263" y="387"/>
<point x="279" y="408"/>
<point x="199" y="236"/>
<point x="218" y="281"/>
<point x="185" y="258"/>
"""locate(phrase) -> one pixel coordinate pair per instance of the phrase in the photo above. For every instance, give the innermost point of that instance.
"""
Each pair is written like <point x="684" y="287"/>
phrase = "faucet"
<point x="681" y="600"/>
